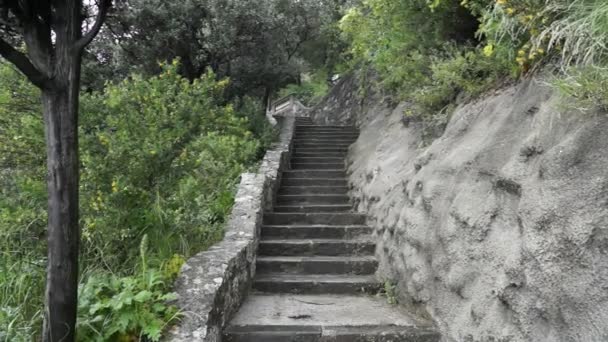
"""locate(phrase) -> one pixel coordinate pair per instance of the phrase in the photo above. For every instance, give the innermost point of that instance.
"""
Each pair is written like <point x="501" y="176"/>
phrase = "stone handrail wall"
<point x="213" y="284"/>
<point x="287" y="106"/>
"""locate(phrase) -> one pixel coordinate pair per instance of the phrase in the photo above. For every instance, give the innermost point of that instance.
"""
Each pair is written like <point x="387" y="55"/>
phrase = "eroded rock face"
<point x="499" y="228"/>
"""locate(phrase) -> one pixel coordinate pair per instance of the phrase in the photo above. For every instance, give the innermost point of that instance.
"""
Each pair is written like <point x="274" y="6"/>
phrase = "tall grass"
<point x="579" y="31"/>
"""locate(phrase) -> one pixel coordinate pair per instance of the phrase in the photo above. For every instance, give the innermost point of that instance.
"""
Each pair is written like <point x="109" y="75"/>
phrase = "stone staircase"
<point x="315" y="269"/>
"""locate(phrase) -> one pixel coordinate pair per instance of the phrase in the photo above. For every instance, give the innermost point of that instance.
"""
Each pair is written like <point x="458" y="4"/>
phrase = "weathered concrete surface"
<point x="499" y="228"/>
<point x="322" y="310"/>
<point x="213" y="284"/>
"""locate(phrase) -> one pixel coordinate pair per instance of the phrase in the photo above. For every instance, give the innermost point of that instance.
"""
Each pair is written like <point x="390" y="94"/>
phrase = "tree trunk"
<point x="60" y="104"/>
<point x="267" y="97"/>
<point x="60" y="115"/>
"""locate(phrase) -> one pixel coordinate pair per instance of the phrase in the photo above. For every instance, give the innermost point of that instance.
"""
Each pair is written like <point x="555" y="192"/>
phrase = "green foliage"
<point x="113" y="308"/>
<point x="584" y="88"/>
<point x="167" y="168"/>
<point x="160" y="157"/>
<point x="310" y="91"/>
<point x="389" y="291"/>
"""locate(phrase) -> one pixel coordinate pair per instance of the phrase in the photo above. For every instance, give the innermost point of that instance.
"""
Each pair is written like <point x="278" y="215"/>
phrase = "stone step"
<point x="326" y="135"/>
<point x="340" y="174"/>
<point x="313" y="182"/>
<point x="320" y="149"/>
<point x="336" y="154"/>
<point x="316" y="283"/>
<point x="299" y="145"/>
<point x="309" y="190"/>
<point x="317" y="166"/>
<point x="325" y="318"/>
<point x="352" y="128"/>
<point x="316" y="247"/>
<point x="326" y="208"/>
<point x="320" y="160"/>
<point x="313" y="199"/>
<point x="331" y="219"/>
<point x="308" y="333"/>
<point x="317" y="264"/>
<point x="323" y="141"/>
<point x="315" y="231"/>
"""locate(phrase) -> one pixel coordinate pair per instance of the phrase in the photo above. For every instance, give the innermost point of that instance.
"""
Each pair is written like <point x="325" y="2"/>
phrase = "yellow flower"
<point x="501" y="2"/>
<point x="521" y="53"/>
<point x="540" y="51"/>
<point x="488" y="50"/>
<point x="521" y="60"/>
<point x="114" y="186"/>
<point x="510" y="10"/>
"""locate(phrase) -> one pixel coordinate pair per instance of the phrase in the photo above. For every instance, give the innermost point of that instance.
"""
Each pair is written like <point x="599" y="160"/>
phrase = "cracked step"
<point x="316" y="247"/>
<point x="317" y="264"/>
<point x="325" y="318"/>
<point x="316" y="283"/>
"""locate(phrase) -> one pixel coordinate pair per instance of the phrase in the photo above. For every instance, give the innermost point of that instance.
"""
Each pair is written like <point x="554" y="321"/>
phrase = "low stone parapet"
<point x="213" y="284"/>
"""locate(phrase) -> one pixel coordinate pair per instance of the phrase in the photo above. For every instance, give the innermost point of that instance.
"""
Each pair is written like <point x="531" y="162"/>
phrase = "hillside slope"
<point x="498" y="228"/>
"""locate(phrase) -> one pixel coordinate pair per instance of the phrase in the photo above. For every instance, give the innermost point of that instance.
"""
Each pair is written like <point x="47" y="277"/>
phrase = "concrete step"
<point x="320" y="160"/>
<point x="320" y="149"/>
<point x="326" y="135"/>
<point x="309" y="190"/>
<point x="316" y="283"/>
<point x="352" y="128"/>
<point x="307" y="333"/>
<point x="330" y="219"/>
<point x="313" y="199"/>
<point x="324" y="141"/>
<point x="342" y="145"/>
<point x="337" y="154"/>
<point x="324" y="208"/>
<point x="313" y="182"/>
<point x="340" y="174"/>
<point x="325" y="318"/>
<point x="317" y="264"/>
<point x="315" y="231"/>
<point x="317" y="166"/>
<point x="316" y="247"/>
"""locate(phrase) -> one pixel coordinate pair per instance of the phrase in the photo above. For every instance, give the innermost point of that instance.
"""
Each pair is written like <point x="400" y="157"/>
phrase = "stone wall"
<point x="499" y="228"/>
<point x="213" y="284"/>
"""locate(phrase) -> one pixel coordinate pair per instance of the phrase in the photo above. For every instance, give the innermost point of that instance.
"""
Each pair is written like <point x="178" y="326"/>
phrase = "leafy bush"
<point x="310" y="91"/>
<point x="113" y="308"/>
<point x="160" y="157"/>
<point x="424" y="53"/>
<point x="587" y="86"/>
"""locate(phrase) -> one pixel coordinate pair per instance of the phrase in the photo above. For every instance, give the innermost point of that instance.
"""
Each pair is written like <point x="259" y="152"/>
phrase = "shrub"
<point x="584" y="88"/>
<point x="160" y="157"/>
<point x="310" y="91"/>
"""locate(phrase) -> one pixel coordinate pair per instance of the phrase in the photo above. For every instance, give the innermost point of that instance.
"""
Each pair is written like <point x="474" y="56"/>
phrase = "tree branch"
<point x="102" y="11"/>
<point x="24" y="65"/>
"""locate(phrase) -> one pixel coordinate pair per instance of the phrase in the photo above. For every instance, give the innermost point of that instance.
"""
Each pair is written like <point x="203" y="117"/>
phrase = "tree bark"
<point x="60" y="116"/>
<point x="52" y="31"/>
<point x="60" y="105"/>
